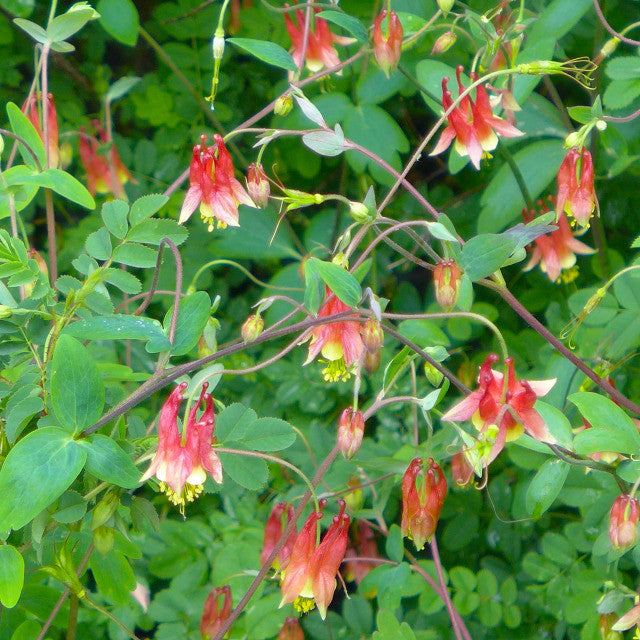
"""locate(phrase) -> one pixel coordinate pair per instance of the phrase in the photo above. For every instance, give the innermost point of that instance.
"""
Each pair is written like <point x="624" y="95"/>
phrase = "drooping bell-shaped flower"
<point x="472" y="126"/>
<point x="556" y="252"/>
<point x="350" y="432"/>
<point x="576" y="192"/>
<point x="30" y="108"/>
<point x="623" y="522"/>
<point x="213" y="186"/>
<point x="216" y="611"/>
<point x="273" y="531"/>
<point x="291" y="630"/>
<point x="182" y="461"/>
<point x="372" y="335"/>
<point x="258" y="185"/>
<point x="461" y="470"/>
<point x="422" y="501"/>
<point x="339" y="342"/>
<point x="504" y="414"/>
<point x="310" y="576"/>
<point x="387" y="47"/>
<point x="446" y="280"/>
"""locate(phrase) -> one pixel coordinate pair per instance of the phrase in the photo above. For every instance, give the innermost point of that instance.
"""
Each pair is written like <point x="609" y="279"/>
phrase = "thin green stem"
<point x="517" y="174"/>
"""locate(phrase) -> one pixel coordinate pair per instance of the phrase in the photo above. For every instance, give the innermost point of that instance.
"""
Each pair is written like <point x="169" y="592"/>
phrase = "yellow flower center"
<point x="212" y="222"/>
<point x="569" y="275"/>
<point x="303" y="604"/>
<point x="189" y="493"/>
<point x="335" y="371"/>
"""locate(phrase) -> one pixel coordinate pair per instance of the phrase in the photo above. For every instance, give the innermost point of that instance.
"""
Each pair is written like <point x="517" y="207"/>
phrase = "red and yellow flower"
<point x="216" y="611"/>
<point x="387" y="47"/>
<point x="623" y="522"/>
<point x="576" y="193"/>
<point x="182" y="461"/>
<point x="472" y="127"/>
<point x="273" y="531"/>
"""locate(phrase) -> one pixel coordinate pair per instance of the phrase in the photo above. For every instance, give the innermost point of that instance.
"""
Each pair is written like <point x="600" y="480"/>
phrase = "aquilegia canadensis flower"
<point x="216" y="611"/>
<point x="387" y="47"/>
<point x="576" y="193"/>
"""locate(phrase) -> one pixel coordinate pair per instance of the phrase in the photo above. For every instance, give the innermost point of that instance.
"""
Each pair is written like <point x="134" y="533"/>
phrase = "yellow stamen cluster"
<point x="212" y="222"/>
<point x="304" y="605"/>
<point x="189" y="494"/>
<point x="569" y="275"/>
<point x="335" y="371"/>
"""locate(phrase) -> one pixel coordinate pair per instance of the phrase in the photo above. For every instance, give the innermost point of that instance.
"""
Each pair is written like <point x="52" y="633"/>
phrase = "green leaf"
<point x="314" y="287"/>
<point x="394" y="546"/>
<point x="347" y="22"/>
<point x="64" y="185"/>
<point x="98" y="244"/>
<point x="36" y="472"/>
<point x="268" y="434"/>
<point x="583" y="115"/>
<point x="484" y="254"/>
<point x="152" y="231"/>
<point x="11" y="575"/>
<point x="193" y="313"/>
<point x="114" y="576"/>
<point x="390" y="629"/>
<point x="65" y="25"/>
<point x="120" y="19"/>
<point x="502" y="200"/>
<point x="623" y="68"/>
<point x="621" y="93"/>
<point x="114" y="215"/>
<point x="22" y="127"/>
<point x="339" y="280"/>
<point x="71" y="507"/>
<point x="249" y="472"/>
<point x="123" y="280"/>
<point x="232" y="423"/>
<point x="121" y="87"/>
<point x="108" y="462"/>
<point x="324" y="143"/>
<point x="463" y="579"/>
<point x="135" y="255"/>
<point x="545" y="486"/>
<point x="77" y="390"/>
<point x="611" y="428"/>
<point x="358" y="614"/>
<point x="146" y="206"/>
<point x="120" y="327"/>
<point x="33" y="29"/>
<point x="268" y="52"/>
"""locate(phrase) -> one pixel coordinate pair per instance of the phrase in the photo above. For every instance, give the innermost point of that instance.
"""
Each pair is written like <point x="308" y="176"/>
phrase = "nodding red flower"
<point x="623" y="522"/>
<point x="320" y="52"/>
<point x="446" y="279"/>
<point x="421" y="506"/>
<point x="503" y="415"/>
<point x="472" y="126"/>
<point x="387" y="49"/>
<point x="182" y="461"/>
<point x="350" y="432"/>
<point x="273" y="531"/>
<point x="556" y="252"/>
<point x="364" y="546"/>
<point x="213" y="186"/>
<point x="104" y="175"/>
<point x="372" y="336"/>
<point x="258" y="185"/>
<point x="217" y="608"/>
<point x="291" y="630"/>
<point x="339" y="342"/>
<point x="30" y="108"/>
<point x="310" y="576"/>
<point x="461" y="470"/>
<point x="576" y="193"/>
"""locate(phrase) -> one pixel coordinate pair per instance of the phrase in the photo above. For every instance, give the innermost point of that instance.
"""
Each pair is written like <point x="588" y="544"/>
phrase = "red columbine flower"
<point x="576" y="193"/>
<point x="556" y="251"/>
<point x="215" y="612"/>
<point x="421" y="506"/>
<point x="623" y="522"/>
<point x="339" y="342"/>
<point x="310" y="575"/>
<point x="320" y="52"/>
<point x="258" y="185"/>
<point x="182" y="461"/>
<point x="387" y="49"/>
<point x="213" y="186"/>
<point x="273" y="532"/>
<point x="472" y="126"/>
<point x="291" y="630"/>
<point x="30" y="107"/>
<point x="372" y="336"/>
<point x="350" y="432"/>
<point x="492" y="409"/>
<point x="461" y="470"/>
<point x="446" y="279"/>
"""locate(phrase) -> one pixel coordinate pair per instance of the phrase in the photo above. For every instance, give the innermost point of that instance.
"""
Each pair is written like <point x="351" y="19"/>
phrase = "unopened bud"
<point x="433" y="375"/>
<point x="371" y="362"/>
<point x="444" y="43"/>
<point x="283" y="105"/>
<point x="350" y="432"/>
<point x="218" y="47"/>
<point x="445" y="5"/>
<point x="372" y="335"/>
<point x="572" y="140"/>
<point x="252" y="328"/>
<point x="601" y="125"/>
<point x="5" y="311"/>
<point x="623" y="522"/>
<point x="105" y="509"/>
<point x="446" y="278"/>
<point x="65" y="155"/>
<point x="387" y="48"/>
<point x="258" y="185"/>
<point x="461" y="470"/>
<point x="103" y="538"/>
<point x="355" y="498"/>
<point x="1" y="144"/>
<point x="359" y="212"/>
<point x="291" y="630"/>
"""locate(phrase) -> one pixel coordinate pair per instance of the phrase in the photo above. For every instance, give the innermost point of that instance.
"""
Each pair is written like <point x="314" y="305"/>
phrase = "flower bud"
<point x="372" y="335"/>
<point x="350" y="432"/>
<point x="359" y="212"/>
<point x="446" y="278"/>
<point x="218" y="47"/>
<point x="283" y="105"/>
<point x="572" y="140"/>
<point x="445" y="5"/>
<point x="387" y="49"/>
<point x="252" y="328"/>
<point x="258" y="185"/>
<point x="291" y="630"/>
<point x="215" y="612"/>
<point x="105" y="509"/>
<point x="461" y="470"/>
<point x="103" y="539"/>
<point x="623" y="522"/>
<point x="355" y="499"/>
<point x="5" y="311"/>
<point x="444" y="43"/>
<point x="371" y="362"/>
